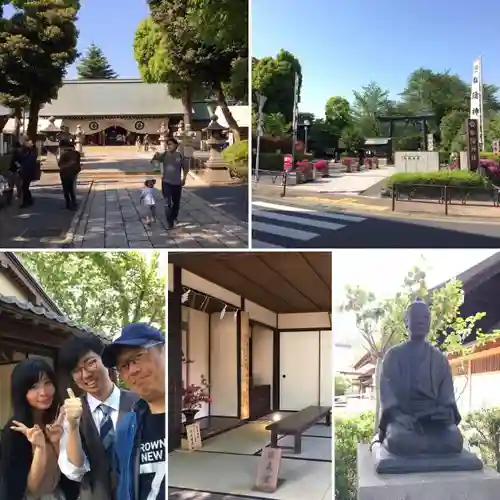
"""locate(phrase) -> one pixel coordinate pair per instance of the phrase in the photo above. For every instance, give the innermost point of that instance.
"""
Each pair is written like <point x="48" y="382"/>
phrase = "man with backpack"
<point x="173" y="178"/>
<point x="69" y="167"/>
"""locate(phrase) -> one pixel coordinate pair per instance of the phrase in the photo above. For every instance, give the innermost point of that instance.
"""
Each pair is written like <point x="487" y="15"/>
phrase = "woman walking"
<point x="29" y="446"/>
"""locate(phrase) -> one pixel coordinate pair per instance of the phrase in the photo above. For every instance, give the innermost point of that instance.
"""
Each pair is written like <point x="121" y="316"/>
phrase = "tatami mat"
<point x="236" y="475"/>
<point x="247" y="440"/>
<point x="313" y="448"/>
<point x="319" y="431"/>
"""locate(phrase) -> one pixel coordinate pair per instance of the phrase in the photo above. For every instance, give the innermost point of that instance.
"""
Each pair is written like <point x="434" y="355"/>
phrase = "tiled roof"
<point x="41" y="311"/>
<point x="112" y="97"/>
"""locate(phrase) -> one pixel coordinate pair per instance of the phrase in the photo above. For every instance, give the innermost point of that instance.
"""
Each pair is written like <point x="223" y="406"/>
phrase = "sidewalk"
<point x="42" y="224"/>
<point x="112" y="218"/>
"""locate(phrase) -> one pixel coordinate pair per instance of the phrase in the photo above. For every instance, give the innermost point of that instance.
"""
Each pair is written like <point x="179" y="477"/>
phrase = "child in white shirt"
<point x="148" y="200"/>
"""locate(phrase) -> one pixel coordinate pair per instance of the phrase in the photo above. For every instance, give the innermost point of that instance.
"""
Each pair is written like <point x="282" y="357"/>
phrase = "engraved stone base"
<point x="216" y="172"/>
<point x="387" y="463"/>
<point x="465" y="485"/>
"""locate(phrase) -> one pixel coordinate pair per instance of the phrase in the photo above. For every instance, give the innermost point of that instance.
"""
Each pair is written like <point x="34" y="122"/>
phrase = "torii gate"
<point x="415" y="119"/>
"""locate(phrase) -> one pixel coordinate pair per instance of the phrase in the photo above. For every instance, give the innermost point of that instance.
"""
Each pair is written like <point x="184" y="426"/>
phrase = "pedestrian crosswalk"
<point x="286" y="226"/>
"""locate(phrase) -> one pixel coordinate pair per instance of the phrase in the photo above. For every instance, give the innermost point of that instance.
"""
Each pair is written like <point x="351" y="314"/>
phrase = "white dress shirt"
<point x="67" y="468"/>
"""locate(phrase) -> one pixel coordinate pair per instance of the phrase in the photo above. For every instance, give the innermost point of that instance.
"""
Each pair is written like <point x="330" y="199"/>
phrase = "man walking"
<point x="86" y="448"/>
<point x="70" y="167"/>
<point x="174" y="173"/>
<point x="139" y="356"/>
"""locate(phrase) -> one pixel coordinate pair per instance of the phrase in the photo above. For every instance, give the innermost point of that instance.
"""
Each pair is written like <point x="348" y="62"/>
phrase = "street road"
<point x="280" y="223"/>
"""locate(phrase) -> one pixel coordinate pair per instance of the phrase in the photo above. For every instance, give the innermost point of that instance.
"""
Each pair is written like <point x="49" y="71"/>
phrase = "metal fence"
<point x="445" y="195"/>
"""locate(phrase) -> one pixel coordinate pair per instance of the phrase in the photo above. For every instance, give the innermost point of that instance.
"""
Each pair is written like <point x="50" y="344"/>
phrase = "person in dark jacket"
<point x="14" y="179"/>
<point x="86" y="447"/>
<point x="27" y="171"/>
<point x="70" y="167"/>
<point x="140" y="446"/>
<point x="30" y="441"/>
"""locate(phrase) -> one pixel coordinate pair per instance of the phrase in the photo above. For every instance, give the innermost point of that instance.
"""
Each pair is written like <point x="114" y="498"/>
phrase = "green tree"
<point x="491" y="130"/>
<point x="276" y="125"/>
<point x="341" y="385"/>
<point x="351" y="138"/>
<point x="95" y="66"/>
<point x="382" y="322"/>
<point x="451" y="125"/>
<point x="36" y="45"/>
<point x="275" y="78"/>
<point x="370" y="102"/>
<point x="178" y="47"/>
<point x="337" y="114"/>
<point x="102" y="290"/>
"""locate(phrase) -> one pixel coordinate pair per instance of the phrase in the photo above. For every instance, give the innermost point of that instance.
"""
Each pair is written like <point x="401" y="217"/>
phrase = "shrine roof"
<point x="118" y="97"/>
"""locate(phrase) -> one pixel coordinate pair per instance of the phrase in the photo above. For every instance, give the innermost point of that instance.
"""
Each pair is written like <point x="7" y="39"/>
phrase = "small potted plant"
<point x="193" y="396"/>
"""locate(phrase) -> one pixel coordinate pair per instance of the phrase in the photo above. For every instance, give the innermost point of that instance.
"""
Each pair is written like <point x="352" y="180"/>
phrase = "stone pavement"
<point x="178" y="494"/>
<point x="112" y="217"/>
<point x="42" y="224"/>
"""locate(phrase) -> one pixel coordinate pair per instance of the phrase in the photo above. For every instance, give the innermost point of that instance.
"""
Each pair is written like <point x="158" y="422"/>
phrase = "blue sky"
<point x="345" y="44"/>
<point x="111" y="25"/>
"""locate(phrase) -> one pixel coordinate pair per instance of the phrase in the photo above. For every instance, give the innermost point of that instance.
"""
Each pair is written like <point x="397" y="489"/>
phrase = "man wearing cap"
<point x="87" y="445"/>
<point x="139" y="356"/>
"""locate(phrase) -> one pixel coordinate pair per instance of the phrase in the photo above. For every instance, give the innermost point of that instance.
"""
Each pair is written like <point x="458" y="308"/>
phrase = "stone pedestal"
<point x="461" y="485"/>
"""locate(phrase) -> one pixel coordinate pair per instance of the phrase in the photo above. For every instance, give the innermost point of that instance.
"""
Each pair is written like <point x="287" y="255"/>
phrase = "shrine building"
<point x="115" y="112"/>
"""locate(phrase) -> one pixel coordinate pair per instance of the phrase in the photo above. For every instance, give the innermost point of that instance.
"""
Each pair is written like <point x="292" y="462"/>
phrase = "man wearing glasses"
<point x="87" y="444"/>
<point x="139" y="356"/>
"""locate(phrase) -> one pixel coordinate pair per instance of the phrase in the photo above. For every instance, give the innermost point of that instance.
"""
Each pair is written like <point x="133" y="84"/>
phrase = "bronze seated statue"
<point x="418" y="428"/>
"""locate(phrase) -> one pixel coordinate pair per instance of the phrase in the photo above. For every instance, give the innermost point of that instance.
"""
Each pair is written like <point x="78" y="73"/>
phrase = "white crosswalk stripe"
<point x="285" y="226"/>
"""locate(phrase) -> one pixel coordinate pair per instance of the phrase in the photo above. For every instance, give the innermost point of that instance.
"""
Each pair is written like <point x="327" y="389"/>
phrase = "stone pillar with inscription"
<point x="163" y="137"/>
<point x="216" y="169"/>
<point x="79" y="138"/>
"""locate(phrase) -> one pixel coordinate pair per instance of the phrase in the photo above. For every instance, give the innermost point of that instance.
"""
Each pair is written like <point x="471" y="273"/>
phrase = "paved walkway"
<point x="42" y="224"/>
<point x="112" y="217"/>
<point x="178" y="494"/>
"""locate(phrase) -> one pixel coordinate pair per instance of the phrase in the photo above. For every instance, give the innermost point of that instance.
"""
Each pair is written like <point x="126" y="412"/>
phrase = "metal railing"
<point x="445" y="195"/>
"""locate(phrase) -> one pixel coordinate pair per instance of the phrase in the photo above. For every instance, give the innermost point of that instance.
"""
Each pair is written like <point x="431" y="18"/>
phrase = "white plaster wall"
<point x="261" y="314"/>
<point x="223" y="365"/>
<point x="170" y="277"/>
<point x="198" y="343"/>
<point x="297" y="321"/>
<point x="480" y="392"/>
<point x="262" y="356"/>
<point x="326" y="373"/>
<point x="201" y="285"/>
<point x="9" y="288"/>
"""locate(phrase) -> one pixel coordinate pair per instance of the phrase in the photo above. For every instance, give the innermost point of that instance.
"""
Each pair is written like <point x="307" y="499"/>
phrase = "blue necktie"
<point x="106" y="430"/>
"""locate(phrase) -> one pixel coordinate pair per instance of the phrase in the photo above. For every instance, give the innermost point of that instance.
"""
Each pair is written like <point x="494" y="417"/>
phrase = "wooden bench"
<point x="297" y="423"/>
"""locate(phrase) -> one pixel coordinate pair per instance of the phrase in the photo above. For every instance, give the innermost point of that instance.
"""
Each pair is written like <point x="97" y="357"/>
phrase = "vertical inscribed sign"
<point x="268" y="471"/>
<point x="193" y="436"/>
<point x="245" y="365"/>
<point x="476" y="101"/>
<point x="473" y="144"/>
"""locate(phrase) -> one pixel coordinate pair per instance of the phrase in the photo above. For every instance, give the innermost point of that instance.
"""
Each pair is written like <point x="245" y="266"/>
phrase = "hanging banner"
<point x="476" y="100"/>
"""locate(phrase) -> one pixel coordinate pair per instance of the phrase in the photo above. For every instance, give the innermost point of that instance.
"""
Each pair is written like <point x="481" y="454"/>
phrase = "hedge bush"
<point x="348" y="433"/>
<point x="455" y="178"/>
<point x="274" y="161"/>
<point x="490" y="156"/>
<point x="237" y="153"/>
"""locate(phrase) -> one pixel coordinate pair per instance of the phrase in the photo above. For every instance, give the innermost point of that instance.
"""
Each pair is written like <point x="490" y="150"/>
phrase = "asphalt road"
<point x="277" y="224"/>
<point x="232" y="199"/>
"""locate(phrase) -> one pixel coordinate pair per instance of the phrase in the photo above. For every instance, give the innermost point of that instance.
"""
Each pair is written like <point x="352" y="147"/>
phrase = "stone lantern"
<point x="185" y="137"/>
<point x="216" y="169"/>
<point x="52" y="135"/>
<point x="163" y="137"/>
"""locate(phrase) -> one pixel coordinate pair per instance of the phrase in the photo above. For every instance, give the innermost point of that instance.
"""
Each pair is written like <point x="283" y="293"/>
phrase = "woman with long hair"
<point x="29" y="445"/>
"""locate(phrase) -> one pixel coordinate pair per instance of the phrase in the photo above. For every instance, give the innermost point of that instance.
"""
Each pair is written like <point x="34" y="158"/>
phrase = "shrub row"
<point x="455" y="178"/>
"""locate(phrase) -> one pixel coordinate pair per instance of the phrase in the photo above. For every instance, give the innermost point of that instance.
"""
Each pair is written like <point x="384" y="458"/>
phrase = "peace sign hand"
<point x="55" y="429"/>
<point x="34" y="434"/>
